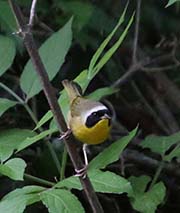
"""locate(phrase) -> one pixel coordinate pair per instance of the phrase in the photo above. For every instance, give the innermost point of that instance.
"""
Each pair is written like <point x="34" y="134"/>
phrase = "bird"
<point x="89" y="120"/>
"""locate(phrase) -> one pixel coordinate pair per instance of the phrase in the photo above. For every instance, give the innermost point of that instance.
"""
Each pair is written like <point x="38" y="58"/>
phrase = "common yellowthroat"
<point x="89" y="121"/>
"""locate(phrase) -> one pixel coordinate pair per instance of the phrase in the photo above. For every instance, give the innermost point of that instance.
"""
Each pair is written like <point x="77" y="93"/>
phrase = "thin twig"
<point x="136" y="32"/>
<point x="163" y="110"/>
<point x="144" y="161"/>
<point x="170" y="90"/>
<point x="142" y="66"/>
<point x="32" y="13"/>
<point x="159" y="69"/>
<point x="135" y="66"/>
<point x="130" y="72"/>
<point x="152" y="112"/>
<point x="52" y="100"/>
<point x="44" y="26"/>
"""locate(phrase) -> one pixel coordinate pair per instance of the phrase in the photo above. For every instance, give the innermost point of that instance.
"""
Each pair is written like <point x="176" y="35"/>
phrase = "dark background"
<point x="149" y="96"/>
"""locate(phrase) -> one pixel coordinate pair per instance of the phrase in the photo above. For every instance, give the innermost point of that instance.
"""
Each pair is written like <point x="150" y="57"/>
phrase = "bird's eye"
<point x="94" y="113"/>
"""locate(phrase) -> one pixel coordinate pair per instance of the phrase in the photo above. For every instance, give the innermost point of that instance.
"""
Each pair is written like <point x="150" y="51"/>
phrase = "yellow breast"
<point x="94" y="135"/>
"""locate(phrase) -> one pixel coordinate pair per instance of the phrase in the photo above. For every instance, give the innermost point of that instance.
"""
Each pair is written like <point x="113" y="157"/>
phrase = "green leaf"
<point x="60" y="200"/>
<point x="76" y="8"/>
<point x="109" y="182"/>
<point x="146" y="202"/>
<point x="111" y="153"/>
<point x="17" y="200"/>
<point x="7" y="53"/>
<point x="31" y="140"/>
<point x="10" y="139"/>
<point x="100" y="93"/>
<point x="13" y="168"/>
<point x="112" y="50"/>
<point x="5" y="104"/>
<point x="82" y="80"/>
<point x="139" y="183"/>
<point x="44" y="119"/>
<point x="104" y="182"/>
<point x="23" y="191"/>
<point x="53" y="53"/>
<point x="17" y="204"/>
<point x="7" y="17"/>
<point x="100" y="50"/>
<point x="70" y="183"/>
<point x="160" y="144"/>
<point x="170" y="2"/>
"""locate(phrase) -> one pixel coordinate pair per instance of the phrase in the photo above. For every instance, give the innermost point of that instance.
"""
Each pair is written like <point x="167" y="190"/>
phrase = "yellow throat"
<point x="94" y="135"/>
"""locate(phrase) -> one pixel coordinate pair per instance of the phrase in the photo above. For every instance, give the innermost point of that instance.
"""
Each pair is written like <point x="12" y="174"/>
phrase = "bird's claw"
<point x="65" y="135"/>
<point x="81" y="172"/>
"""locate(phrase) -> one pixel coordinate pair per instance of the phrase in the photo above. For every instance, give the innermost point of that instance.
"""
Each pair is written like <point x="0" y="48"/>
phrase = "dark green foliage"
<point x="92" y="42"/>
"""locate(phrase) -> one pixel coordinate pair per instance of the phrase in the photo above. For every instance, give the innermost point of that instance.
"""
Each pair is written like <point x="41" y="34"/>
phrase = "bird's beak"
<point x="106" y="116"/>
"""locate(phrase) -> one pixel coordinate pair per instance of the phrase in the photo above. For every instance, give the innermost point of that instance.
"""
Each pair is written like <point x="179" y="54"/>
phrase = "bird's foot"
<point x="81" y="172"/>
<point x="65" y="135"/>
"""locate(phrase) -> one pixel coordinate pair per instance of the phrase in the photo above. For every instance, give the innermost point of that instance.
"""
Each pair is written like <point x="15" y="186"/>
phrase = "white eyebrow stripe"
<point x="94" y="109"/>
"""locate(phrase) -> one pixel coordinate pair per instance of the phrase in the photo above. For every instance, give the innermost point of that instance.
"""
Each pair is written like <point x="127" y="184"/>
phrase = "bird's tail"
<point x="71" y="89"/>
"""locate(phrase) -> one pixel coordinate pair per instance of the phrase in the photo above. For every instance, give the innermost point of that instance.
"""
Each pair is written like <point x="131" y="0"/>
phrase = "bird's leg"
<point x="82" y="172"/>
<point x="85" y="155"/>
<point x="66" y="134"/>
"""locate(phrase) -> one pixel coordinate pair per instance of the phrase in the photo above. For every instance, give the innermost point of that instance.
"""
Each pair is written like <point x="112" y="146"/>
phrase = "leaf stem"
<point x="11" y="92"/>
<point x="30" y="112"/>
<point x="158" y="172"/>
<point x="53" y="155"/>
<point x="39" y="180"/>
<point x="63" y="165"/>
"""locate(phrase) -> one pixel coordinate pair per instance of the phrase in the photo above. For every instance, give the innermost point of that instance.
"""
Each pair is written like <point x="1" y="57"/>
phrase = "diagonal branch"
<point x="25" y="33"/>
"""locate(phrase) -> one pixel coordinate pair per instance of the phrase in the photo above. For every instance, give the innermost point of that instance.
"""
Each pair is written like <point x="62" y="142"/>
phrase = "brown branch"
<point x="25" y="33"/>
<point x="130" y="72"/>
<point x="141" y="66"/>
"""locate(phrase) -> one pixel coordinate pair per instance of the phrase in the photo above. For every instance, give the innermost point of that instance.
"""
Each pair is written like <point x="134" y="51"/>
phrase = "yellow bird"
<point x="89" y="121"/>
